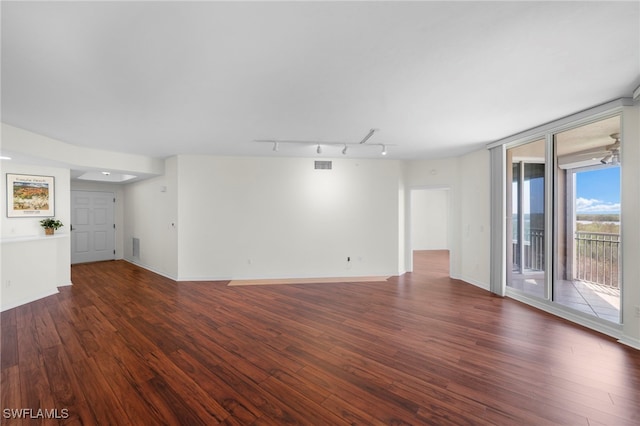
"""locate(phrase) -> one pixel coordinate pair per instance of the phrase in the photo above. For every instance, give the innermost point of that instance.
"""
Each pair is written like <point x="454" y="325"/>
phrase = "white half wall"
<point x="281" y="218"/>
<point x="33" y="265"/>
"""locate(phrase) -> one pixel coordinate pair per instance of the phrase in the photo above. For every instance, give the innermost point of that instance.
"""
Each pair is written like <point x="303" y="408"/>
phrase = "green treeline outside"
<point x="613" y="217"/>
<point x="607" y="223"/>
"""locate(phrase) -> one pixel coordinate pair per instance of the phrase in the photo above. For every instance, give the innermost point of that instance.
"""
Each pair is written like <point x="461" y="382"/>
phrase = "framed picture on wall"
<point x="30" y="196"/>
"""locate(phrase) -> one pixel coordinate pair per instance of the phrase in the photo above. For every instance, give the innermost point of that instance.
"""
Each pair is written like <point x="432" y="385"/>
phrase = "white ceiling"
<point x="436" y="78"/>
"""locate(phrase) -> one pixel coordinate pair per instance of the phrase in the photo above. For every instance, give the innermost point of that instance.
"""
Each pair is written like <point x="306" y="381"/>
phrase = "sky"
<point x="598" y="191"/>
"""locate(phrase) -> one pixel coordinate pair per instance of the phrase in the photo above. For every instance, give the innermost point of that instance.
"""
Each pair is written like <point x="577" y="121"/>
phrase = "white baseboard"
<point x="629" y="341"/>
<point x="476" y="283"/>
<point x="29" y="299"/>
<point x="279" y="277"/>
<point x="471" y="281"/>
<point x="149" y="268"/>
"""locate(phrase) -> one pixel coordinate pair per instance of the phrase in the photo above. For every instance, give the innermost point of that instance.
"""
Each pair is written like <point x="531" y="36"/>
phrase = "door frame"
<point x="409" y="221"/>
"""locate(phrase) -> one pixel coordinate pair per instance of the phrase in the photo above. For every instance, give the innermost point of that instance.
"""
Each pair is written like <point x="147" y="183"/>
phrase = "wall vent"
<point x="323" y="165"/>
<point x="136" y="248"/>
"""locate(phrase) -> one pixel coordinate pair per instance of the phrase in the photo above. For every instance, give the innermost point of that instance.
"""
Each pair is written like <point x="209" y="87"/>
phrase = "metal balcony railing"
<point x="532" y="251"/>
<point x="598" y="257"/>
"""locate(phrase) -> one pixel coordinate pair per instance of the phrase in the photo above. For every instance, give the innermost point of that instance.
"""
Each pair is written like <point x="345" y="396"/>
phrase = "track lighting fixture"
<point x="357" y="147"/>
<point x="371" y="132"/>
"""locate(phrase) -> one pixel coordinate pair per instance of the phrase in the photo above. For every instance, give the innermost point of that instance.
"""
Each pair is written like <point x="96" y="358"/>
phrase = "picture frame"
<point x="30" y="195"/>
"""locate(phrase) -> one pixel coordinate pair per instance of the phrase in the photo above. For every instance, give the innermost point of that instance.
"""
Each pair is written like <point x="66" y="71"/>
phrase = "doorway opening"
<point x="429" y="236"/>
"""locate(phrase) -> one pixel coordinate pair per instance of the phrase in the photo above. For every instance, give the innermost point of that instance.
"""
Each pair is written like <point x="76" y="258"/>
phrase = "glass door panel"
<point x="526" y="214"/>
<point x="587" y="226"/>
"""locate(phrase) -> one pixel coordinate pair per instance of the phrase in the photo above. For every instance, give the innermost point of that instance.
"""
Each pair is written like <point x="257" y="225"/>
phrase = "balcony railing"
<point x="532" y="252"/>
<point x="598" y="257"/>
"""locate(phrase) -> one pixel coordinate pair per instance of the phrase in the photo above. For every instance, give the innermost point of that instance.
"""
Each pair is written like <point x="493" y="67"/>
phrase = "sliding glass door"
<point x="526" y="213"/>
<point x="587" y="228"/>
<point x="563" y="240"/>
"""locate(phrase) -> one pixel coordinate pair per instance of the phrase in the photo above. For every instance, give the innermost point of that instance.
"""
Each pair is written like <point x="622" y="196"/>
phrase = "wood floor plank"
<point x="11" y="395"/>
<point x="186" y="388"/>
<point x="234" y="402"/>
<point x="105" y="405"/>
<point x="9" y="340"/>
<point x="126" y="346"/>
<point x="65" y="386"/>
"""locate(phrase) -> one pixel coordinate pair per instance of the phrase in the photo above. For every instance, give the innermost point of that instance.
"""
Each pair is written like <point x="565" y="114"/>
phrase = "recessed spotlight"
<point x="106" y="173"/>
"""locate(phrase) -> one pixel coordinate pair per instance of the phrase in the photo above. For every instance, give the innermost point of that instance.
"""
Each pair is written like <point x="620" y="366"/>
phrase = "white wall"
<point x="33" y="266"/>
<point x="474" y="209"/>
<point x="402" y="223"/>
<point x="118" y="192"/>
<point x="430" y="219"/>
<point x="150" y="209"/>
<point x="279" y="218"/>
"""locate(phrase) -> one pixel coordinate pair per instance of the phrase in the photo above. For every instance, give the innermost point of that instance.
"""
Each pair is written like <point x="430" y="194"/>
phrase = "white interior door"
<point x="92" y="226"/>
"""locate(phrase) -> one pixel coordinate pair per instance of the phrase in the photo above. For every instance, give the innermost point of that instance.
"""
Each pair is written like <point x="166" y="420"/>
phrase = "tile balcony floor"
<point x="594" y="299"/>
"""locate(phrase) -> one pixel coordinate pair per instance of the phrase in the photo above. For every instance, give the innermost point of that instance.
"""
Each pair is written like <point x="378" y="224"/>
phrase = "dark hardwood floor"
<point x="126" y="346"/>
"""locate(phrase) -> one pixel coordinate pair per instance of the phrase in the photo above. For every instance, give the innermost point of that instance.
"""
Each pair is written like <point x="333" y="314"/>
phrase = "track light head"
<point x="344" y="150"/>
<point x="384" y="150"/>
<point x="319" y="149"/>
<point x="275" y="146"/>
